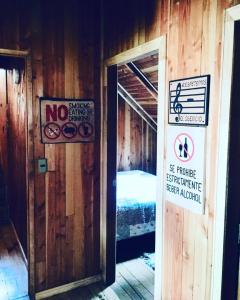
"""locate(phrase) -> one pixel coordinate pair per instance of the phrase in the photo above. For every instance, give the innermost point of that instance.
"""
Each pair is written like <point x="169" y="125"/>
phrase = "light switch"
<point x="42" y="165"/>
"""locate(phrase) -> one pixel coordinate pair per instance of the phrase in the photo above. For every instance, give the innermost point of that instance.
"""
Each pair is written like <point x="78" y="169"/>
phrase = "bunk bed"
<point x="136" y="204"/>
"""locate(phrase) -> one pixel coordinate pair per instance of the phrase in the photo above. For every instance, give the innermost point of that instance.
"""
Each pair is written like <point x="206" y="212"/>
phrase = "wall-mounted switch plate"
<point x="42" y="165"/>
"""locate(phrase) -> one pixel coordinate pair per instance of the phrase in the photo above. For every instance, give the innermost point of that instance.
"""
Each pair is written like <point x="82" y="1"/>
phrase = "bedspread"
<point x="136" y="199"/>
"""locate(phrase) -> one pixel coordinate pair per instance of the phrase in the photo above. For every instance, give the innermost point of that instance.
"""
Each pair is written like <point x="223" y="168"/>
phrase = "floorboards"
<point x="13" y="272"/>
<point x="134" y="281"/>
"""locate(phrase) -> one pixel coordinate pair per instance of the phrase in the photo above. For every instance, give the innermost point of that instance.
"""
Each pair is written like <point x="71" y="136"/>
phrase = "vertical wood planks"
<point x="63" y="39"/>
<point x="194" y="30"/>
<point x="54" y="87"/>
<point x="51" y="258"/>
<point x="136" y="141"/>
<point x="39" y="150"/>
<point x="127" y="132"/>
<point x="3" y="121"/>
<point x="71" y="66"/>
<point x="16" y="154"/>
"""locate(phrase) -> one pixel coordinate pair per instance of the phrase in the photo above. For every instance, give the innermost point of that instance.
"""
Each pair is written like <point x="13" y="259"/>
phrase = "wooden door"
<point x="231" y="238"/>
<point x="111" y="174"/>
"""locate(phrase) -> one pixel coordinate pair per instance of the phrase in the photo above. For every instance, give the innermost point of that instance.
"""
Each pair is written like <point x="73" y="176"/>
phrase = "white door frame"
<point x="231" y="16"/>
<point x="159" y="45"/>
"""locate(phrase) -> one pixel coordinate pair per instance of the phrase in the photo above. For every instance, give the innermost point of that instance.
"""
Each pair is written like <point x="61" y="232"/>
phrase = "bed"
<point x="136" y="199"/>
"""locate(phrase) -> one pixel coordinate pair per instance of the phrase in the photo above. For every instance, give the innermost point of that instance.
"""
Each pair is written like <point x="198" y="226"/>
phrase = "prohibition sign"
<point x="184" y="147"/>
<point x="52" y="130"/>
<point x="85" y="129"/>
<point x="69" y="130"/>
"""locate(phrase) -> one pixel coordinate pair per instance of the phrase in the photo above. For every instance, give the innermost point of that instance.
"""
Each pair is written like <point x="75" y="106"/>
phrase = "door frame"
<point x="159" y="45"/>
<point x="231" y="16"/>
<point x="29" y="164"/>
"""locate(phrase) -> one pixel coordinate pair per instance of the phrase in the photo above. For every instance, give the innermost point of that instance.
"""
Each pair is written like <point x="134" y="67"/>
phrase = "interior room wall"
<point x="16" y="154"/>
<point x="137" y="141"/>
<point x="62" y="38"/>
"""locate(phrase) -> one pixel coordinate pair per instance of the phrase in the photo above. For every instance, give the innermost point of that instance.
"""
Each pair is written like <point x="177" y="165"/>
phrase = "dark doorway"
<point x="231" y="238"/>
<point x="13" y="177"/>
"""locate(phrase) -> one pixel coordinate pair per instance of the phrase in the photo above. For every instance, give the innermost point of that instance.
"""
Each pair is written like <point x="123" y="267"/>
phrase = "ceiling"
<point x="139" y="79"/>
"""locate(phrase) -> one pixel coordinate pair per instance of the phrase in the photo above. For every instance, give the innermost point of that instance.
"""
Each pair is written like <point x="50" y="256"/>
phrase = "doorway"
<point x="232" y="223"/>
<point x="15" y="185"/>
<point x="226" y="246"/>
<point x="136" y="114"/>
<point x="136" y="174"/>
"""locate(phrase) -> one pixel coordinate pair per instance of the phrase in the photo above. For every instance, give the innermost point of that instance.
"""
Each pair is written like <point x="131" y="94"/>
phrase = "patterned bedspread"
<point x="136" y="198"/>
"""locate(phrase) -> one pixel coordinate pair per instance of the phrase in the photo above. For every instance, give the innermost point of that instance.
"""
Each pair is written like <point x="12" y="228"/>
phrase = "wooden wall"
<point x="63" y="40"/>
<point x="194" y="35"/>
<point x="3" y="122"/>
<point x="16" y="156"/>
<point x="137" y="141"/>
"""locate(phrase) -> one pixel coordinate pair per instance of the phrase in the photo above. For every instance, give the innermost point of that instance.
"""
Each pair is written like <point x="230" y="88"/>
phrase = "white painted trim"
<point x="159" y="45"/>
<point x="231" y="15"/>
<point x="67" y="287"/>
<point x="18" y="53"/>
<point x="136" y="52"/>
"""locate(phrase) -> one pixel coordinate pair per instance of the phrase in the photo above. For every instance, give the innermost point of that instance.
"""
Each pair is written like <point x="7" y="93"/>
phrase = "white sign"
<point x="189" y="101"/>
<point x="185" y="171"/>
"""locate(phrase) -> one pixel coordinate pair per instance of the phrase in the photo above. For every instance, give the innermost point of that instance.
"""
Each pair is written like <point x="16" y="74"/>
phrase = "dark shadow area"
<point x="231" y="246"/>
<point x="135" y="247"/>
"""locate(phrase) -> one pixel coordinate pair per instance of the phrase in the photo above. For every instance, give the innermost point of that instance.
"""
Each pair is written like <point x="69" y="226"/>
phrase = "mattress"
<point x="136" y="203"/>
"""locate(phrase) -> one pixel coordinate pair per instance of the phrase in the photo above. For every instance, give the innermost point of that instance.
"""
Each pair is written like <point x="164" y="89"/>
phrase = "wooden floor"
<point x="134" y="281"/>
<point x="13" y="272"/>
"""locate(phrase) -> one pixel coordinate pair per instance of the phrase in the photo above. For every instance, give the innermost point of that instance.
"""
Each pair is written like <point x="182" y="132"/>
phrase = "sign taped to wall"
<point x="185" y="173"/>
<point x="67" y="120"/>
<point x="189" y="101"/>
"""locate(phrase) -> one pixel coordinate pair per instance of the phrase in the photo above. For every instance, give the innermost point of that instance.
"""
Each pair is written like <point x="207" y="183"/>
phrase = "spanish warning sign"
<point x="67" y="120"/>
<point x="185" y="171"/>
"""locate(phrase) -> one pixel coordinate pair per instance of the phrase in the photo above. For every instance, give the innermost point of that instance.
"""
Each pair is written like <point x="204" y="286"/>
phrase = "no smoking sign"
<point x="67" y="120"/>
<point x="185" y="172"/>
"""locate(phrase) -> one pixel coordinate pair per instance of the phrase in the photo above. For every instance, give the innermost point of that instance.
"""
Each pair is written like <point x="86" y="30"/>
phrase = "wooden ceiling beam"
<point x="142" y="78"/>
<point x="138" y="108"/>
<point x="149" y="69"/>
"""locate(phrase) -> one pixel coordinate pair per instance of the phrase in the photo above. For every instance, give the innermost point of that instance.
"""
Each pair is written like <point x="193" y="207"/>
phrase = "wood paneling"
<point x="63" y="38"/>
<point x="194" y="33"/>
<point x="141" y="90"/>
<point x="3" y="121"/>
<point x="137" y="141"/>
<point x="13" y="145"/>
<point x="16" y="148"/>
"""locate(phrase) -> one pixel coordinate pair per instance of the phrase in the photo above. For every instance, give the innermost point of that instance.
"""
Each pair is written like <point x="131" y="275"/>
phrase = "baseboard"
<point x="67" y="287"/>
<point x="20" y="246"/>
